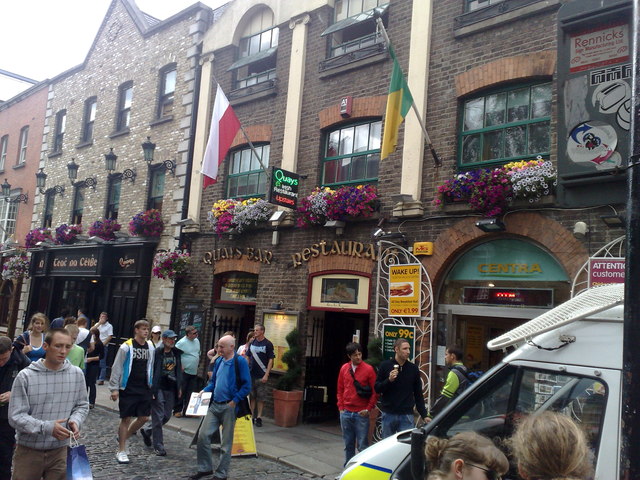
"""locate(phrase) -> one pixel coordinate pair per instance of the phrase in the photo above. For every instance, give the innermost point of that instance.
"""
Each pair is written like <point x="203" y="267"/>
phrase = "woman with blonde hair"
<point x="551" y="446"/>
<point x="31" y="341"/>
<point x="467" y="455"/>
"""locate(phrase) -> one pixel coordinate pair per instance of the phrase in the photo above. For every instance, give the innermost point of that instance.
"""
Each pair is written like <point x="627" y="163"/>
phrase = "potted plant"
<point x="238" y="215"/>
<point x="325" y="204"/>
<point x="147" y="224"/>
<point x="170" y="265"/>
<point x="532" y="179"/>
<point x="36" y="236"/>
<point x="16" y="267"/>
<point x="67" y="234"/>
<point x="286" y="400"/>
<point x="105" y="229"/>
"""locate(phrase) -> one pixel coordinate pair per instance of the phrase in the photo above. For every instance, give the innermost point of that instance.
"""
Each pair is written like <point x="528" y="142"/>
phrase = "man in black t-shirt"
<point x="167" y="379"/>
<point x="261" y="355"/>
<point x="131" y="380"/>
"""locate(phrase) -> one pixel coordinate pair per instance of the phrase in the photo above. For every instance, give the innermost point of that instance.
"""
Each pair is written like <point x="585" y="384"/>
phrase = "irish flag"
<point x="224" y="126"/>
<point x="398" y="104"/>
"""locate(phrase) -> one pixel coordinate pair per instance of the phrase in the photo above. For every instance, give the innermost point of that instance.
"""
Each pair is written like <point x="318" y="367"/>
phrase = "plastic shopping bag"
<point x="78" y="467"/>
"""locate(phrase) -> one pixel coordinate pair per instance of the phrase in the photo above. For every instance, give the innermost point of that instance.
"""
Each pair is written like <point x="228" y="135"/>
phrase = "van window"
<point x="494" y="408"/>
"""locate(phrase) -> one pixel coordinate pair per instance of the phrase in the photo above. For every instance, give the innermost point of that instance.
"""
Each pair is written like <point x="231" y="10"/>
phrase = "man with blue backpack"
<point x="458" y="379"/>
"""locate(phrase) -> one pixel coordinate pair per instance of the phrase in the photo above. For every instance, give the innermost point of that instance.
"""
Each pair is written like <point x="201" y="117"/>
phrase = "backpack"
<point x="466" y="377"/>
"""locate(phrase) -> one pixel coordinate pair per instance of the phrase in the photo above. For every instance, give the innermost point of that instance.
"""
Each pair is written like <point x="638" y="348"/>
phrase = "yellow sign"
<point x="244" y="441"/>
<point x="277" y="327"/>
<point x="405" y="290"/>
<point x="423" y="248"/>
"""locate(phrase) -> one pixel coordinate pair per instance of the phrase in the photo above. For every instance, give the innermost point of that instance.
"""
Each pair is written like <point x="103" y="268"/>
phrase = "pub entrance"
<point x="328" y="334"/>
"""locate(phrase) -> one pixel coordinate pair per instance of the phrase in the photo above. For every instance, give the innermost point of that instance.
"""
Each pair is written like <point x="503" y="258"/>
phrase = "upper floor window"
<point x="506" y="125"/>
<point x="125" y="97"/>
<point x="113" y="197"/>
<point x="352" y="154"/>
<point x="4" y="142"/>
<point x="471" y="5"/>
<point x="246" y="176"/>
<point x="89" y="119"/>
<point x="355" y="27"/>
<point x="78" y="205"/>
<point x="8" y="214"/>
<point x="156" y="188"/>
<point x="257" y="51"/>
<point x="49" y="202"/>
<point x="61" y="125"/>
<point x="167" y="91"/>
<point x="22" y="152"/>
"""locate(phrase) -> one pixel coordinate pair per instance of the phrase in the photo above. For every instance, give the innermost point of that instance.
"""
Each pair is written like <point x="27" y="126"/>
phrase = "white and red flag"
<point x="224" y="126"/>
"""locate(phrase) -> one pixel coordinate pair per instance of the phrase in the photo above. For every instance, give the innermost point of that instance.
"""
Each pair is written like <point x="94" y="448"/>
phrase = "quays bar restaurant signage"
<point x="250" y="253"/>
<point x="344" y="248"/>
<point x="283" y="188"/>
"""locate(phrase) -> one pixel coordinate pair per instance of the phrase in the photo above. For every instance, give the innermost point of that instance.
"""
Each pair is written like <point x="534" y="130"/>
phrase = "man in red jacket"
<point x="356" y="398"/>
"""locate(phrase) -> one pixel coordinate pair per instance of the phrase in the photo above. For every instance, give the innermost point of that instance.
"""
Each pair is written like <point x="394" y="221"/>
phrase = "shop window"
<point x="61" y="125"/>
<point x="49" y="202"/>
<point x="167" y="91"/>
<point x="352" y="154"/>
<point x="256" y="51"/>
<point x="354" y="29"/>
<point x="156" y="188"/>
<point x="125" y="97"/>
<point x="78" y="205"/>
<point x="506" y="125"/>
<point x="113" y="197"/>
<point x="246" y="176"/>
<point x="89" y="119"/>
<point x="22" y="152"/>
<point x="4" y="142"/>
<point x="8" y="214"/>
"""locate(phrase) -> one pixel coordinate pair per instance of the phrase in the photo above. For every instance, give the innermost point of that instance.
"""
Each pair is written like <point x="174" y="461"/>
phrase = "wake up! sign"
<point x="283" y="188"/>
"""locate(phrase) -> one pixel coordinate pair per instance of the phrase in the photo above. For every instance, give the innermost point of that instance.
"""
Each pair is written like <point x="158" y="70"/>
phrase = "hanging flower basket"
<point x="238" y="215"/>
<point x="15" y="267"/>
<point x="347" y="202"/>
<point x="147" y="224"/>
<point x="171" y="265"/>
<point x="105" y="229"/>
<point x="532" y="179"/>
<point x="67" y="234"/>
<point x="36" y="236"/>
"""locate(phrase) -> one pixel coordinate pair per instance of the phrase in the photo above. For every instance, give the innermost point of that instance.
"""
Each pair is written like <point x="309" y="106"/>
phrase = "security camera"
<point x="580" y="229"/>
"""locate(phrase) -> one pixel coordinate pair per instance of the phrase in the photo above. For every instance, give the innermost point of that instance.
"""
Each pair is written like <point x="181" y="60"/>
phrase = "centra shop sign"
<point x="250" y="253"/>
<point x="345" y="248"/>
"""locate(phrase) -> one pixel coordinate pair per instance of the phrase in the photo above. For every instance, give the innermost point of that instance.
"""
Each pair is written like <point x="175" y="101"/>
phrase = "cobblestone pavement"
<point x="99" y="437"/>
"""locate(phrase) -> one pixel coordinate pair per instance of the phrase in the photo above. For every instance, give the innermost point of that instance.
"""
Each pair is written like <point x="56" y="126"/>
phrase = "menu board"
<point x="277" y="327"/>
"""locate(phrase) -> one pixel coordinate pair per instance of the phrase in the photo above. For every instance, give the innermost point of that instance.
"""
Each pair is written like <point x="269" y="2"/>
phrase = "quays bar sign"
<point x="253" y="254"/>
<point x="345" y="248"/>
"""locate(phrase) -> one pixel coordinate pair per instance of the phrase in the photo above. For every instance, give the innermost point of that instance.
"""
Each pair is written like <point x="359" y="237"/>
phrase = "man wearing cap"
<point x="165" y="388"/>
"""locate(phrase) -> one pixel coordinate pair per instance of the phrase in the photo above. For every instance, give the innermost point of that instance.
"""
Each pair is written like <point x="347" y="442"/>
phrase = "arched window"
<point x="246" y="176"/>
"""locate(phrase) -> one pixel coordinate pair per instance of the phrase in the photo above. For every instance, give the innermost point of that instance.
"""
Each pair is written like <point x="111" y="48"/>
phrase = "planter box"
<point x="286" y="407"/>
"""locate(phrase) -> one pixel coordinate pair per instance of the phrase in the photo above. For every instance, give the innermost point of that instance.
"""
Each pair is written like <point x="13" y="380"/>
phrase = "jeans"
<point x="90" y="376"/>
<point x="103" y="365"/>
<point x="392" y="423"/>
<point x="218" y="414"/>
<point x="355" y="427"/>
<point x="7" y="444"/>
<point x="161" y="410"/>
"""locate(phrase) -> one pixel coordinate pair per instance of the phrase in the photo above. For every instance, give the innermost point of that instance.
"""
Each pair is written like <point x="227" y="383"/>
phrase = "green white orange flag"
<point x="398" y="104"/>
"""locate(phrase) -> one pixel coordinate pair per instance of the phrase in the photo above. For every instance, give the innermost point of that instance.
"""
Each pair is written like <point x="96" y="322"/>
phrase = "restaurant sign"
<point x="238" y="287"/>
<point x="75" y="262"/>
<point x="283" y="188"/>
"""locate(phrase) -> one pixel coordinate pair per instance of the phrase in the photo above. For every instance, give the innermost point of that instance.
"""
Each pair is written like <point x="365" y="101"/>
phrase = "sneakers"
<point x="258" y="421"/>
<point x="200" y="475"/>
<point x="122" y="457"/>
<point x="160" y="452"/>
<point x="146" y="436"/>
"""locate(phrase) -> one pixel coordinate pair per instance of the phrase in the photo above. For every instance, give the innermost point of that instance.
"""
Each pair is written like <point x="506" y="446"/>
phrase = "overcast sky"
<point x="41" y="38"/>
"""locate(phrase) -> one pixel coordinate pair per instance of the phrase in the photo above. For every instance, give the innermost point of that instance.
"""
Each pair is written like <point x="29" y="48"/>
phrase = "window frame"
<point x="112" y="207"/>
<point x="375" y="151"/>
<point x="61" y="126"/>
<point x="166" y="99"/>
<point x="355" y="42"/>
<point x="90" y="108"/>
<point x="24" y="141"/>
<point x="4" y="145"/>
<point x="489" y="3"/>
<point x="266" y="62"/>
<point x="8" y="219"/>
<point x="125" y="100"/>
<point x="155" y="172"/>
<point x="505" y="90"/>
<point x="77" y="211"/>
<point x="49" y="205"/>
<point x="262" y="175"/>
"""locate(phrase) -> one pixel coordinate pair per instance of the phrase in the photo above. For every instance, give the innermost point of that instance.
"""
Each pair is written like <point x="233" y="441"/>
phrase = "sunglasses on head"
<point x="491" y="474"/>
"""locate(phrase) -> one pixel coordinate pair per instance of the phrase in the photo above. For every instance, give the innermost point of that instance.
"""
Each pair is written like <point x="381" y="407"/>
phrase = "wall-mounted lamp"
<point x="149" y="148"/>
<point x="72" y="170"/>
<point x="6" y="193"/>
<point x="580" y="230"/>
<point x="337" y="224"/>
<point x="110" y="166"/>
<point x="614" y="221"/>
<point x="41" y="181"/>
<point x="490" y="225"/>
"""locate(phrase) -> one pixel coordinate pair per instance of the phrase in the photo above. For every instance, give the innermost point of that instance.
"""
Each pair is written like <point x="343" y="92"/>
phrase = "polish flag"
<point x="224" y="126"/>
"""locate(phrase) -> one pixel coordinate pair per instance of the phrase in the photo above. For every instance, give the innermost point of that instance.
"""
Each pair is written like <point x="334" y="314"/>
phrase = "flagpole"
<point x="436" y="158"/>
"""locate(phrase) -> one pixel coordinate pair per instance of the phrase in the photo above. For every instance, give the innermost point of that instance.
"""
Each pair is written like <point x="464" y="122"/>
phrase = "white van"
<point x="569" y="360"/>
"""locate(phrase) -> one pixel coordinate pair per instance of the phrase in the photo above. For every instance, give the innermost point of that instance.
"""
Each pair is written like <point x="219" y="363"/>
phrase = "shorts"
<point x="134" y="405"/>
<point x="259" y="390"/>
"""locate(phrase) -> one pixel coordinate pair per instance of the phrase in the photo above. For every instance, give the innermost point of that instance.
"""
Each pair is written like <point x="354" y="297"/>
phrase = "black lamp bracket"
<point x="129" y="174"/>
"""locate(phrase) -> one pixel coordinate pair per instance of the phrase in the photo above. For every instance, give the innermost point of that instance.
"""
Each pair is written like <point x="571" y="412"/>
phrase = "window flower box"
<point x="105" y="229"/>
<point x="36" y="236"/>
<point x="67" y="234"/>
<point x="237" y="216"/>
<point x="147" y="224"/>
<point x="345" y="203"/>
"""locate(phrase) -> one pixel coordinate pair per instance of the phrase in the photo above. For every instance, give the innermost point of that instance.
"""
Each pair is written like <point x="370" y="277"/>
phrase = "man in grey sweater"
<point x="47" y="406"/>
